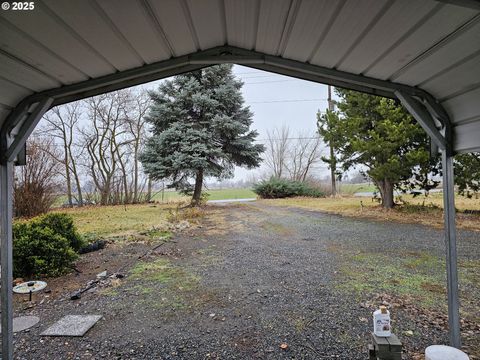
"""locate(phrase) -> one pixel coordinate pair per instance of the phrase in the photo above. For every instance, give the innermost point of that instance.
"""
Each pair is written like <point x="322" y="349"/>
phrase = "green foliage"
<point x="62" y="224"/>
<point x="378" y="134"/>
<point x="326" y="125"/>
<point x="467" y="174"/>
<point x="39" y="251"/>
<point x="200" y="128"/>
<point x="276" y="188"/>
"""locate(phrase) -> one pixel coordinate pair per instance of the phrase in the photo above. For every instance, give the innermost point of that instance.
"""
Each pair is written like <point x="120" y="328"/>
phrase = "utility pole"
<point x="333" y="167"/>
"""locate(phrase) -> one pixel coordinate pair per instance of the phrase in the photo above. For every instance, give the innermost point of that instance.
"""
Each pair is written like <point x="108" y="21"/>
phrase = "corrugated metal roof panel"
<point x="24" y="75"/>
<point x="175" y="23"/>
<point x="397" y="22"/>
<point x="459" y="78"/>
<point x="60" y="40"/>
<point x="11" y="93"/>
<point x="271" y="25"/>
<point x="22" y="46"/>
<point x="88" y="22"/>
<point x="132" y="21"/>
<point x="309" y="27"/>
<point x="463" y="43"/>
<point x="465" y="107"/>
<point x="241" y="19"/>
<point x="433" y="30"/>
<point x="348" y="28"/>
<point x="208" y="18"/>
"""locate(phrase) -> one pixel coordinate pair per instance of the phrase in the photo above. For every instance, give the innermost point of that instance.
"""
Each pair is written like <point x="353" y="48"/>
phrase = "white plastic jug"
<point x="381" y="322"/>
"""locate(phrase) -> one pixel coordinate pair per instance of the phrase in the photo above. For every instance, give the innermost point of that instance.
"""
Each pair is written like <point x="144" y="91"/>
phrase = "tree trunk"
<point x="386" y="192"/>
<point x="79" y="189"/>
<point x="77" y="179"/>
<point x="135" y="171"/>
<point x="197" y="193"/>
<point x="149" y="190"/>
<point x="67" y="174"/>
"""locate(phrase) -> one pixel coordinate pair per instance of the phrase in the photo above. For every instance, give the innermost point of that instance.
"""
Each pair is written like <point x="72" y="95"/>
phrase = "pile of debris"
<point x="102" y="280"/>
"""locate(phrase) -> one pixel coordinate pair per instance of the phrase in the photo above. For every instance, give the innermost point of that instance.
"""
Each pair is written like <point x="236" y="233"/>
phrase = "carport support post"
<point x="6" y="260"/>
<point x="451" y="247"/>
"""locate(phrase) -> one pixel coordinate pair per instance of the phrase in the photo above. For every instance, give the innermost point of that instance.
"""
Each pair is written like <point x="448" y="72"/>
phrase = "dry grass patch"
<point x="119" y="220"/>
<point x="414" y="210"/>
<point x="221" y="222"/>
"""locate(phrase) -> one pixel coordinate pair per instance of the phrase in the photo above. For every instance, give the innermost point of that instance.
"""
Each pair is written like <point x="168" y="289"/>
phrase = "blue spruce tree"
<point x="200" y="128"/>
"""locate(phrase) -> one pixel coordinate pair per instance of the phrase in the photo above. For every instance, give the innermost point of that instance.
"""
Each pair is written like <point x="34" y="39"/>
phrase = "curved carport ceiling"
<point x="422" y="49"/>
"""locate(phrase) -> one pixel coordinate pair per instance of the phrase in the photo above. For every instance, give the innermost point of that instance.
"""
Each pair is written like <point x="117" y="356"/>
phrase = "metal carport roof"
<point x="425" y="52"/>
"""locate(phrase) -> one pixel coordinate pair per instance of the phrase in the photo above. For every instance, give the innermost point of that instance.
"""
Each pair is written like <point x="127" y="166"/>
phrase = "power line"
<point x="261" y="76"/>
<point x="290" y="138"/>
<point x="250" y="72"/>
<point x="268" y="82"/>
<point x="284" y="101"/>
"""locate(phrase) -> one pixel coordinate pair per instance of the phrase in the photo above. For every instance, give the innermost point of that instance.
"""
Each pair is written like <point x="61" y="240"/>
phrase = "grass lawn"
<point x="173" y="196"/>
<point x="350" y="189"/>
<point x="213" y="194"/>
<point x="412" y="211"/>
<point x="119" y="220"/>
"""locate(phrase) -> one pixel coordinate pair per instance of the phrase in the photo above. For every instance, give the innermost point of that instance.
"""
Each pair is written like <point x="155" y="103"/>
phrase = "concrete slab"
<point x="22" y="323"/>
<point x="72" y="325"/>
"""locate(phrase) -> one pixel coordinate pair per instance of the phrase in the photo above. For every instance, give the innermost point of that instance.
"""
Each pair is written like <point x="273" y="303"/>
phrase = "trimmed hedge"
<point x="276" y="188"/>
<point x="45" y="246"/>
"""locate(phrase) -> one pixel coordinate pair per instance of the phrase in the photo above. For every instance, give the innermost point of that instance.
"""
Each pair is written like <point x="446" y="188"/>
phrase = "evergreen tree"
<point x="379" y="134"/>
<point x="200" y="128"/>
<point x="467" y="174"/>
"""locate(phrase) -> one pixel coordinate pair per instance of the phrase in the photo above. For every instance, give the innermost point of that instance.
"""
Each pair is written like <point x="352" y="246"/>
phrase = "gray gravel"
<point x="266" y="278"/>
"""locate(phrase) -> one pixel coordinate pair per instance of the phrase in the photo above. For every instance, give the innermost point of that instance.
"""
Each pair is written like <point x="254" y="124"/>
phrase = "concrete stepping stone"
<point x="72" y="325"/>
<point x="22" y="323"/>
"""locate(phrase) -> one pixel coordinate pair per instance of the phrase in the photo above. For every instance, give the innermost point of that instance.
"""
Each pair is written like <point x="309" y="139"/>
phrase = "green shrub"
<point x="275" y="188"/>
<point x="62" y="224"/>
<point x="38" y="250"/>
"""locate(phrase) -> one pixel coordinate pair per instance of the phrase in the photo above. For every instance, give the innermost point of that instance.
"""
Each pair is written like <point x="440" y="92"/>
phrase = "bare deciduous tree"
<point x="292" y="157"/>
<point x="101" y="141"/>
<point x="277" y="150"/>
<point x="135" y="123"/>
<point x="304" y="154"/>
<point x="114" y="137"/>
<point x="62" y="123"/>
<point x="36" y="183"/>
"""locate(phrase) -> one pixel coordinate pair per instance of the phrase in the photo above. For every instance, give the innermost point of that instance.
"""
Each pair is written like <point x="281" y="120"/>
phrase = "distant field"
<point x="214" y="194"/>
<point x="350" y="189"/>
<point x="169" y="196"/>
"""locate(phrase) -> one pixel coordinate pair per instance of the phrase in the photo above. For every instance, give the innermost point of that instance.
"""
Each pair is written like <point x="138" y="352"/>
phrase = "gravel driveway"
<point x="250" y="279"/>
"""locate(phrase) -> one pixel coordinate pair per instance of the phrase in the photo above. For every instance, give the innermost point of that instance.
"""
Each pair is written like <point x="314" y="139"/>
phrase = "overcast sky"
<point x="278" y="100"/>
